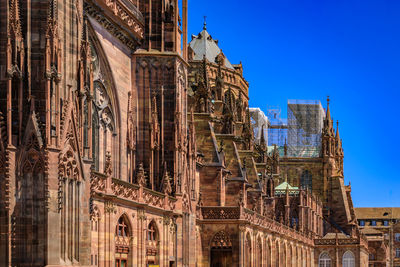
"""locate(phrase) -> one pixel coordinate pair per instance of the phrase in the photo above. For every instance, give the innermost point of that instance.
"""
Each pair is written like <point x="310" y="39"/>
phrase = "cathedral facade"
<point x="124" y="144"/>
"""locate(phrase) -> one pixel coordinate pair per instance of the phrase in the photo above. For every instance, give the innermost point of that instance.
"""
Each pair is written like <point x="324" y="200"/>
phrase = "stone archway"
<point x="221" y="250"/>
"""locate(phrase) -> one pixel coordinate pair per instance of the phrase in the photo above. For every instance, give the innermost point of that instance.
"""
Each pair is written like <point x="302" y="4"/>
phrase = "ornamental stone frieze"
<point x="121" y="18"/>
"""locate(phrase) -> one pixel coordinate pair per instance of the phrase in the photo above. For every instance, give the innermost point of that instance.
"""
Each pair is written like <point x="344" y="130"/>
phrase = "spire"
<point x="328" y="123"/>
<point x="205" y="23"/>
<point x="338" y="141"/>
<point x="328" y="111"/>
<point x="337" y="132"/>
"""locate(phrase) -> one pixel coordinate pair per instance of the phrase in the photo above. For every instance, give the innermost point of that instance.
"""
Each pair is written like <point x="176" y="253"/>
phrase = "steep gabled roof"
<point x="204" y="45"/>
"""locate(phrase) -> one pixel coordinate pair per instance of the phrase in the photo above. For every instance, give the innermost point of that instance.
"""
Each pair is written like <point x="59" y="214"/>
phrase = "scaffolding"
<point x="258" y="122"/>
<point x="305" y="121"/>
<point x="277" y="128"/>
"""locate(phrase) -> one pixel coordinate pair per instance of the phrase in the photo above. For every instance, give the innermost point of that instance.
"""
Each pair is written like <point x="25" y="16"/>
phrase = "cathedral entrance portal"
<point x="221" y="257"/>
<point x="221" y="250"/>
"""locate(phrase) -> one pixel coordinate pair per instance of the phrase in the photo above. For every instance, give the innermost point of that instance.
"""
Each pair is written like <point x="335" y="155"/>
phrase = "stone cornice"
<point x="122" y="25"/>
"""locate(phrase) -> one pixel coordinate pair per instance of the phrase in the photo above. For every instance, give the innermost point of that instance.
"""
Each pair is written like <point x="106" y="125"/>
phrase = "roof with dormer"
<point x="204" y="45"/>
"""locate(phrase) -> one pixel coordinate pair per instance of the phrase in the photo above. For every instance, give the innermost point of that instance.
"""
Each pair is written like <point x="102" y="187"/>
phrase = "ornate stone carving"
<point x="128" y="39"/>
<point x="108" y="165"/>
<point x="221" y="240"/>
<point x="140" y="176"/>
<point x="125" y="190"/>
<point x="109" y="207"/>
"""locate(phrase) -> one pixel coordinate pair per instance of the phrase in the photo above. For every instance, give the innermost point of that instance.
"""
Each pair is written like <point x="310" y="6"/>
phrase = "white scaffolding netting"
<point x="259" y="123"/>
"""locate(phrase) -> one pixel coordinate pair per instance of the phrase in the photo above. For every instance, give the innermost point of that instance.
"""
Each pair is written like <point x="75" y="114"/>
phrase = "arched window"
<point x="306" y="180"/>
<point x="348" y="259"/>
<point x="122" y="227"/>
<point x="152" y="246"/>
<point x="324" y="260"/>
<point x="122" y="242"/>
<point x="152" y="232"/>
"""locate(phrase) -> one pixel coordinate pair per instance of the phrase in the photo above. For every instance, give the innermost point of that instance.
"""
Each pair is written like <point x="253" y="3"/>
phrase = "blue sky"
<point x="303" y="49"/>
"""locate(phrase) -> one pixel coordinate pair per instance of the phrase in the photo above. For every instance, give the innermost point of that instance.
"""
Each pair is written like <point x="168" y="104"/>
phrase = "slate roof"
<point x="204" y="45"/>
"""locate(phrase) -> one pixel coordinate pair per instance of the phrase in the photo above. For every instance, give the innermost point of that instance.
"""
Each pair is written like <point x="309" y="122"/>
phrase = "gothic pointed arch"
<point x="221" y="249"/>
<point x="324" y="260"/>
<point x="306" y="180"/>
<point x="70" y="180"/>
<point x="31" y="199"/>
<point x="153" y="244"/>
<point x="348" y="259"/>
<point x="221" y="240"/>
<point x="105" y="108"/>
<point x="123" y="241"/>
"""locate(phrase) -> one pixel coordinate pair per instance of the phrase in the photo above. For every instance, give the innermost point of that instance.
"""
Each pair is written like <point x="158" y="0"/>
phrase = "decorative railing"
<point x="153" y="198"/>
<point x="339" y="241"/>
<point x="274" y="226"/>
<point x="124" y="189"/>
<point x="101" y="184"/>
<point x="220" y="213"/>
<point x="98" y="182"/>
<point x="239" y="213"/>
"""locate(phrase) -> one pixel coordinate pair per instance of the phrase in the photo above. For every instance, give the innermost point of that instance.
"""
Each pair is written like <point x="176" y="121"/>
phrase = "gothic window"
<point x="226" y="98"/>
<point x="152" y="232"/>
<point x="306" y="180"/>
<point x="373" y="223"/>
<point x="122" y="227"/>
<point x="95" y="141"/>
<point x="362" y="223"/>
<point x="324" y="260"/>
<point x="122" y="242"/>
<point x="70" y="210"/>
<point x="397" y="253"/>
<point x="397" y="237"/>
<point x="152" y="246"/>
<point x="103" y="116"/>
<point x="348" y="259"/>
<point x="213" y="97"/>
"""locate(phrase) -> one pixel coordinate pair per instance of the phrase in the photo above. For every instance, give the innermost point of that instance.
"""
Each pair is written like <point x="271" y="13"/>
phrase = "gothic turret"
<point x="339" y="151"/>
<point x="328" y="135"/>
